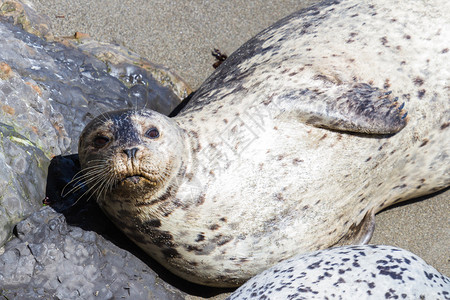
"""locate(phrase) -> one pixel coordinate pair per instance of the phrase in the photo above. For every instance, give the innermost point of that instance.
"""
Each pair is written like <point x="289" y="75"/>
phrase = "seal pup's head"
<point x="130" y="152"/>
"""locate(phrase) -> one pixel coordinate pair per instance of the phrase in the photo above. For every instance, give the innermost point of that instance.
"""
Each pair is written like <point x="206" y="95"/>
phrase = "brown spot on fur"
<point x="418" y="81"/>
<point x="296" y="161"/>
<point x="168" y="213"/>
<point x="214" y="227"/>
<point x="396" y="200"/>
<point x="200" y="237"/>
<point x="331" y="232"/>
<point x="222" y="240"/>
<point x="225" y="121"/>
<point x="280" y="157"/>
<point x="384" y="41"/>
<point x="279" y="196"/>
<point x="305" y="207"/>
<point x="162" y="198"/>
<point x="189" y="176"/>
<point x="403" y="62"/>
<point x="386" y="84"/>
<point x="424" y="142"/>
<point x="201" y="199"/>
<point x="223" y="219"/>
<point x="399" y="186"/>
<point x="420" y="93"/>
<point x="170" y="253"/>
<point x="153" y="223"/>
<point x="445" y="125"/>
<point x="191" y="248"/>
<point x="323" y="137"/>
<point x="407" y="36"/>
<point x="369" y="158"/>
<point x="445" y="50"/>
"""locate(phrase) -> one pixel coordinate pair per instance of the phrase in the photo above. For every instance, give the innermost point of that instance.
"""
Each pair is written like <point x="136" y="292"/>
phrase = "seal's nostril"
<point x="131" y="153"/>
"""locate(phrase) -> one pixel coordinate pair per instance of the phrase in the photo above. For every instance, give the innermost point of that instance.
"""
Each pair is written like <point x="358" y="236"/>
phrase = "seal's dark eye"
<point x="152" y="133"/>
<point x="100" y="141"/>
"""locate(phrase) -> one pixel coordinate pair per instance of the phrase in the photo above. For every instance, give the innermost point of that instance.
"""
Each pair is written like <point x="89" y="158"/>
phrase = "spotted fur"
<point x="350" y="272"/>
<point x="294" y="143"/>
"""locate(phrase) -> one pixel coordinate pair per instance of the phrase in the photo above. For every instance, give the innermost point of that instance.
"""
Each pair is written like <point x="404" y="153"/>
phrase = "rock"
<point x="50" y="89"/>
<point x="50" y="259"/>
<point x="22" y="180"/>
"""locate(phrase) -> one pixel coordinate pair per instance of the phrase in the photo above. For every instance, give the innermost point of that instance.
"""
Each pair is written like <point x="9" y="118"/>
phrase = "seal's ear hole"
<point x="100" y="141"/>
<point x="152" y="133"/>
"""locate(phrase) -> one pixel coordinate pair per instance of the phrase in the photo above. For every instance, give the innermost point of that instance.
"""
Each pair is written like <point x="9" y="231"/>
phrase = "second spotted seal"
<point x="292" y="145"/>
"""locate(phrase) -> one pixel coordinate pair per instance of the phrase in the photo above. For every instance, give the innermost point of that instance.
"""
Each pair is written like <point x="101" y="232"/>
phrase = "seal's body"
<point x="349" y="272"/>
<point x="292" y="145"/>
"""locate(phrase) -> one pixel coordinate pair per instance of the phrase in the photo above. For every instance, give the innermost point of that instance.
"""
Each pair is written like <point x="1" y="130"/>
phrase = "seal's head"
<point x="130" y="152"/>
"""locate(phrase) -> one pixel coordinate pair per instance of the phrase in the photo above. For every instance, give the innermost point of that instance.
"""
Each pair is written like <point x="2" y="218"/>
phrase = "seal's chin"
<point x="134" y="181"/>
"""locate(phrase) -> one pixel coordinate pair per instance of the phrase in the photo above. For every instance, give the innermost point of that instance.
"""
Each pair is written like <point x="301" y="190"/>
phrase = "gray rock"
<point x="52" y="260"/>
<point x="22" y="179"/>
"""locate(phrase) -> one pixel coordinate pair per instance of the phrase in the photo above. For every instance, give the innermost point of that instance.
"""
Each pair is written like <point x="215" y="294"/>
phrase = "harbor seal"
<point x="291" y="146"/>
<point x="349" y="272"/>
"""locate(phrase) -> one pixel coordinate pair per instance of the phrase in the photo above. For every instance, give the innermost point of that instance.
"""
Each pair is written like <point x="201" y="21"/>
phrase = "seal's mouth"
<point x="135" y="180"/>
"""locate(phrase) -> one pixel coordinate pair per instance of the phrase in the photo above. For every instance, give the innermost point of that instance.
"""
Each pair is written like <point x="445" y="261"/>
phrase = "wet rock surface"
<point x="22" y="178"/>
<point x="50" y="259"/>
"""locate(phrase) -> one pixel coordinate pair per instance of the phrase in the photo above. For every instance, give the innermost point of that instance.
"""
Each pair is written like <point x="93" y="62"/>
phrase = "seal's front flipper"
<point x="358" y="108"/>
<point x="359" y="233"/>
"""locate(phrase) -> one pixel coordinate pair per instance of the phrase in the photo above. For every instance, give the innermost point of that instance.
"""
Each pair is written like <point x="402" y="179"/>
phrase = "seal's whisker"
<point x="92" y="190"/>
<point x="82" y="180"/>
<point x="105" y="186"/>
